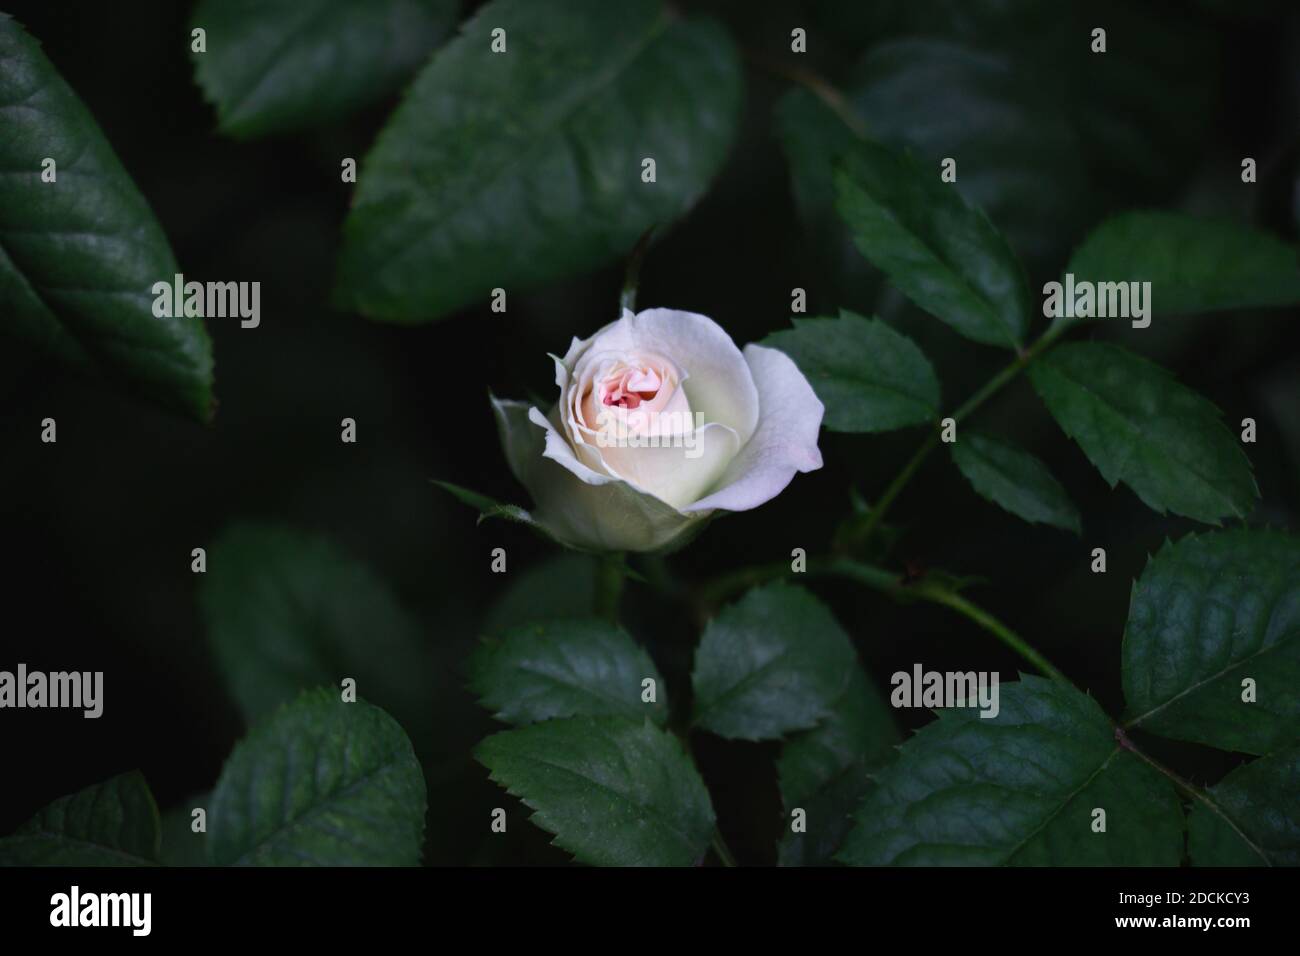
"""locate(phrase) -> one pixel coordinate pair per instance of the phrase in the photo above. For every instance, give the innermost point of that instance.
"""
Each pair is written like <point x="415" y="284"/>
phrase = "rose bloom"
<point x="661" y="423"/>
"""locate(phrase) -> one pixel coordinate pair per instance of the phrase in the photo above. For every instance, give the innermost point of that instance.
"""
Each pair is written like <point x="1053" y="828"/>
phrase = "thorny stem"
<point x="632" y="276"/>
<point x="882" y="580"/>
<point x="861" y="529"/>
<point x="894" y="586"/>
<point x="822" y="88"/>
<point x="1010" y="638"/>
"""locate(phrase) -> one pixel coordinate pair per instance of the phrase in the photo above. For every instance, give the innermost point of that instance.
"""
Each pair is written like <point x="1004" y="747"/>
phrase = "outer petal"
<point x="586" y="452"/>
<point x="579" y="506"/>
<point x="557" y="448"/>
<point x="784" y="443"/>
<point x="679" y="475"/>
<point x="520" y="439"/>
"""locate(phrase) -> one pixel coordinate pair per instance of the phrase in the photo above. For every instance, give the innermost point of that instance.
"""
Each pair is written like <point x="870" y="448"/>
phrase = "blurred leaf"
<point x="827" y="770"/>
<point x="983" y="20"/>
<point x="1139" y="112"/>
<point x="1193" y="265"/>
<point x="181" y="846"/>
<point x="287" y="611"/>
<point x="79" y="256"/>
<point x="1134" y="113"/>
<point x="561" y="586"/>
<point x="1014" y="480"/>
<point x="774" y="662"/>
<point x="1018" y="157"/>
<point x="1048" y="134"/>
<point x="565" y="668"/>
<point x="114" y="823"/>
<point x="514" y="169"/>
<point x="869" y="377"/>
<point x="814" y="137"/>
<point x="944" y="255"/>
<point x="1256" y="819"/>
<point x="321" y="783"/>
<point x="1138" y="425"/>
<point x="273" y="66"/>
<point x="1019" y="789"/>
<point x="614" y="791"/>
<point x="1208" y="612"/>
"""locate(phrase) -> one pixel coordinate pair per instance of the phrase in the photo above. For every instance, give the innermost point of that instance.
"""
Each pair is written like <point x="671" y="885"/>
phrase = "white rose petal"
<point x="790" y="415"/>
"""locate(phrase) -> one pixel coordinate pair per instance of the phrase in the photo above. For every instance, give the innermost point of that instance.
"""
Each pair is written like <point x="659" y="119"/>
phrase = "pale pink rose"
<point x="661" y="423"/>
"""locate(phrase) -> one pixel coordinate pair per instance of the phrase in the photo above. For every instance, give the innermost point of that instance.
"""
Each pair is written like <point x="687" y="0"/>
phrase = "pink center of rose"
<point x="628" y="387"/>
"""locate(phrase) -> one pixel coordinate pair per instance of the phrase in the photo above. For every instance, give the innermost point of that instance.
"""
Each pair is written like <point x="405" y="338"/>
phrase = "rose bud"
<point x="661" y="423"/>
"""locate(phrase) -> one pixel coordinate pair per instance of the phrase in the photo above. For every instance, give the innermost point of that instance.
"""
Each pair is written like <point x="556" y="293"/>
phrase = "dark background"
<point x="97" y="530"/>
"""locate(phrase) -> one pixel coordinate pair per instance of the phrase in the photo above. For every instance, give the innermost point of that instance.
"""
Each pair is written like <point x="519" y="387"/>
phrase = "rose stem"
<point x="632" y="277"/>
<point x="888" y="583"/>
<point x="610" y="574"/>
<point x="860" y="530"/>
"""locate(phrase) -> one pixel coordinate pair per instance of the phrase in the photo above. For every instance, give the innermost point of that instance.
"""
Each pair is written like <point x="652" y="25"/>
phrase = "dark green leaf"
<point x="1207" y="613"/>
<point x="322" y="783"/>
<point x="869" y="377"/>
<point x="944" y="255"/>
<point x="1255" y="820"/>
<point x="1138" y="425"/>
<point x="565" y="668"/>
<point x="1020" y="789"/>
<point x="986" y="21"/>
<point x="774" y="662"/>
<point x="79" y="256"/>
<point x="287" y="611"/>
<point x="181" y="846"/>
<point x="114" y="823"/>
<point x="276" y="65"/>
<point x="827" y="770"/>
<point x="1014" y="480"/>
<point x="614" y="791"/>
<point x="514" y="169"/>
<point x="1193" y="265"/>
